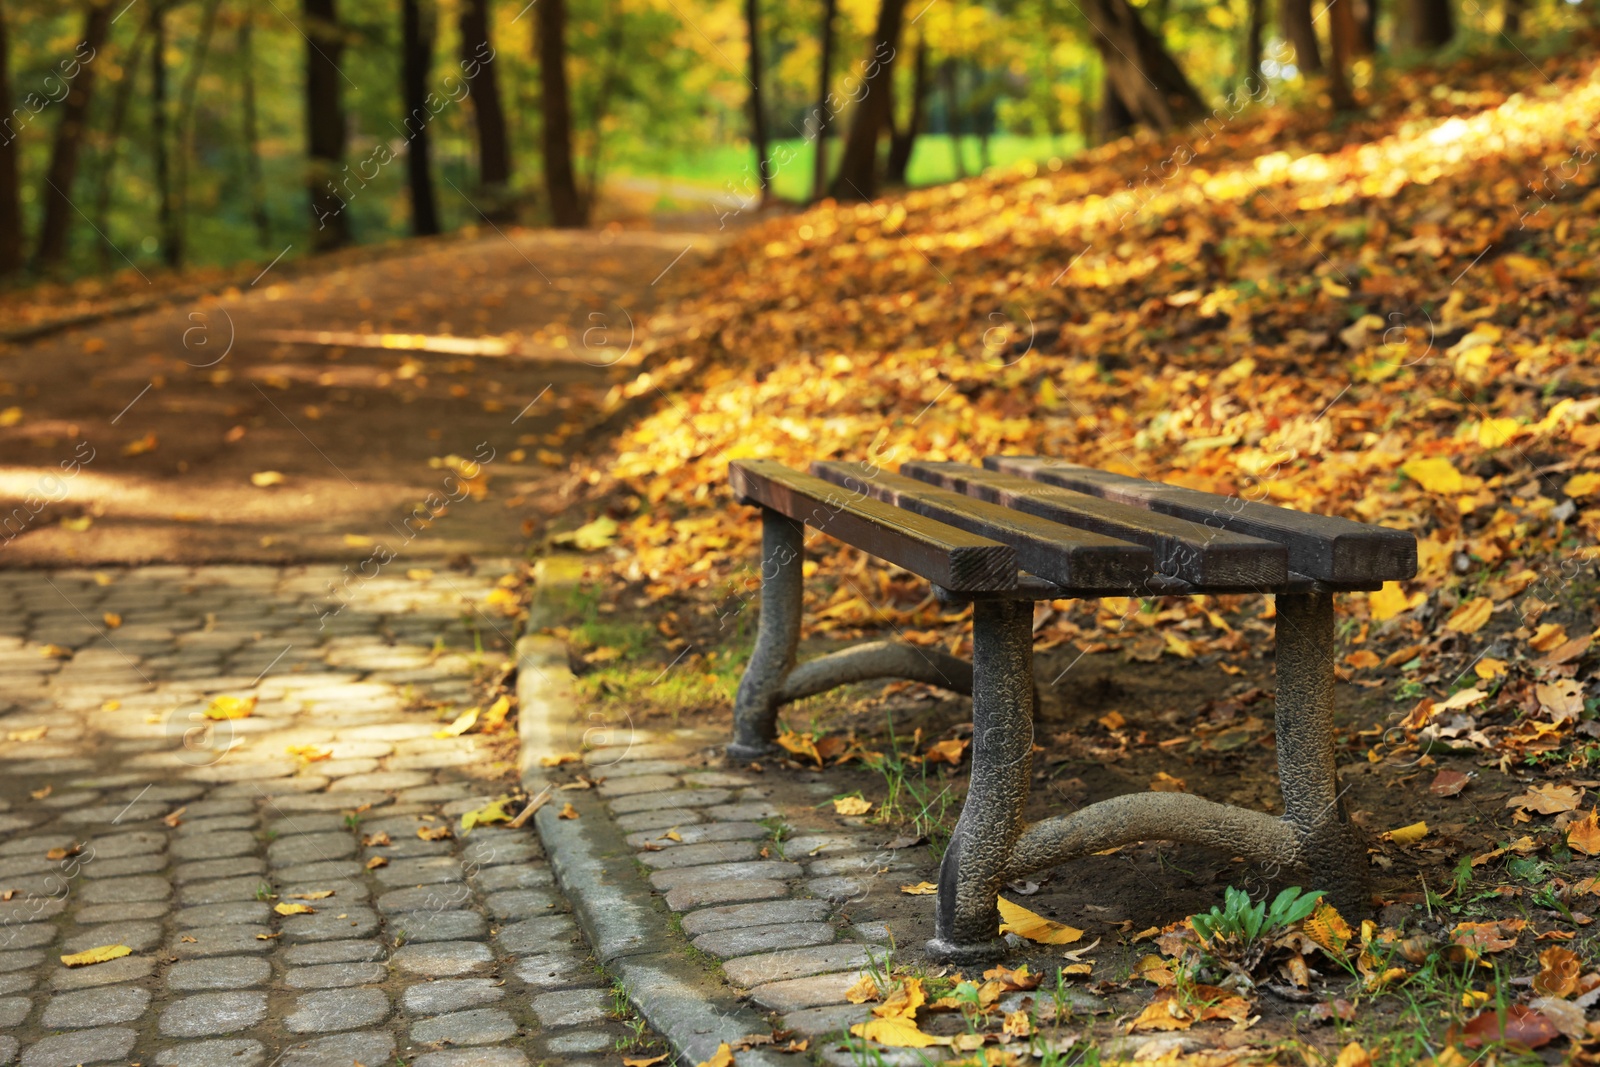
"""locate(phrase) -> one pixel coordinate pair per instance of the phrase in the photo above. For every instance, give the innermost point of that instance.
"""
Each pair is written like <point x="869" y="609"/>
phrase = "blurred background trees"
<point x="175" y="132"/>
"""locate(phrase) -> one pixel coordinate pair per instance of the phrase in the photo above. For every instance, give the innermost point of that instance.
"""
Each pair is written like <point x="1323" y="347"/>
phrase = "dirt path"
<point x="265" y="425"/>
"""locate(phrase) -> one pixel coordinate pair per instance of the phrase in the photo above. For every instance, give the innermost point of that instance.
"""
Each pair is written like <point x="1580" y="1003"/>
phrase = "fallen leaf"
<point x="644" y="1061"/>
<point x="851" y="805"/>
<point x="567" y="811"/>
<point x="1565" y="1016"/>
<point x="1408" y="835"/>
<point x="460" y="725"/>
<point x="111" y="619"/>
<point x="434" y="833"/>
<point x="293" y="909"/>
<point x="1488" y="668"/>
<point x="1435" y="474"/>
<point x="1328" y="929"/>
<point x="560" y="759"/>
<point x="591" y="536"/>
<point x="315" y="894"/>
<point x="492" y="812"/>
<point x="1448" y="783"/>
<point x="1547" y="799"/>
<point x="223" y="707"/>
<point x="377" y="861"/>
<point x="1166" y="783"/>
<point x="723" y="1057"/>
<point x="895" y="1032"/>
<point x="947" y="751"/>
<point x="376" y="840"/>
<point x="864" y="989"/>
<point x="147" y="443"/>
<point x="1015" y="919"/>
<point x="902" y="1000"/>
<point x="921" y="889"/>
<point x="1560" y="972"/>
<point x="1561" y="699"/>
<point x="102" y="954"/>
<point x="309" y="753"/>
<point x="1581" y="485"/>
<point x="420" y="574"/>
<point x="63" y="853"/>
<point x="1523" y="1027"/>
<point x="1584" y="834"/>
<point x="265" y="479"/>
<point x="40" y="794"/>
<point x="32" y="733"/>
<point x="1470" y="617"/>
<point x="494" y="720"/>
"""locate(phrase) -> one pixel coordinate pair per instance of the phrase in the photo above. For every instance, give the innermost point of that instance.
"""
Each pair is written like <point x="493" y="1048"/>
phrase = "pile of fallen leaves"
<point x="1392" y="321"/>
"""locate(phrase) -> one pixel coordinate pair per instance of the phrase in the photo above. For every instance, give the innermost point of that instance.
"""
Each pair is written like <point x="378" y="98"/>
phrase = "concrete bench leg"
<point x="975" y="863"/>
<point x="755" y="708"/>
<point x="1332" y="848"/>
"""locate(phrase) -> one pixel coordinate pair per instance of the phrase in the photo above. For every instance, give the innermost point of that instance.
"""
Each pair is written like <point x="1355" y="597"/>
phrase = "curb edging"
<point x="614" y="906"/>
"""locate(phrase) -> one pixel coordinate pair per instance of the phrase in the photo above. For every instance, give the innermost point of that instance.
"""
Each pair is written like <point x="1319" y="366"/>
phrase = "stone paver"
<point x="193" y="832"/>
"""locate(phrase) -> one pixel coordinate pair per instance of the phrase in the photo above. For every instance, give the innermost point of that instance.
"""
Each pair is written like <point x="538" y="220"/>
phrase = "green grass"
<point x="932" y="161"/>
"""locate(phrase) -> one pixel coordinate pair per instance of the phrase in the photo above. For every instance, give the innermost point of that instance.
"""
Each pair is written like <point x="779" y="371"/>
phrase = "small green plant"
<point x="636" y="1036"/>
<point x="1233" y="929"/>
<point x="352" y="821"/>
<point x="263" y="891"/>
<point x="621" y="1006"/>
<point x="779" y="831"/>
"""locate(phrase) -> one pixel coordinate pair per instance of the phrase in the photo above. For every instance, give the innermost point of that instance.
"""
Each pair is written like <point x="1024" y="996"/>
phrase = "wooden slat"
<point x="953" y="558"/>
<point x="1076" y="560"/>
<point x="1206" y="558"/>
<point x="1323" y="547"/>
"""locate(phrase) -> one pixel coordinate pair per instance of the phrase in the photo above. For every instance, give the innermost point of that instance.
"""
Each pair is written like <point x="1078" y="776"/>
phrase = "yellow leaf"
<point x="903" y="1000"/>
<point x="434" y="833"/>
<point x="1584" y="835"/>
<point x="223" y="707"/>
<point x="946" y="751"/>
<point x="309" y="753"/>
<point x="315" y="894"/>
<point x="461" y="725"/>
<point x="1166" y="783"/>
<point x="1488" y="668"/>
<point x="1016" y="1024"/>
<point x="643" y="1061"/>
<point x="1078" y="968"/>
<point x="671" y="835"/>
<point x="494" y="720"/>
<point x="1391" y="600"/>
<point x="10" y="416"/>
<point x="102" y="954"/>
<point x="1470" y="617"/>
<point x="77" y="525"/>
<point x="492" y="812"/>
<point x="1333" y="288"/>
<point x="851" y="805"/>
<point x="1353" y="1055"/>
<point x="377" y="861"/>
<point x="895" y="1032"/>
<point x="1492" y="433"/>
<point x="1580" y="485"/>
<point x="419" y="574"/>
<point x="800" y="745"/>
<point x="147" y="443"/>
<point x="1328" y="929"/>
<point x="567" y="811"/>
<point x="263" y="479"/>
<point x="591" y="536"/>
<point x="559" y="759"/>
<point x="294" y="909"/>
<point x="723" y="1057"/>
<point x="1436" y="475"/>
<point x="358" y="541"/>
<point x="1408" y="835"/>
<point x="111" y="619"/>
<point x="921" y="889"/>
<point x="32" y="733"/>
<point x="865" y="989"/>
<point x="1015" y="919"/>
<point x="111" y="705"/>
<point x="1547" y="799"/>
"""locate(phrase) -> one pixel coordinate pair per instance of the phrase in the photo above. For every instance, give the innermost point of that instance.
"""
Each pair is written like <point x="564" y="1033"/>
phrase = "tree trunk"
<point x="858" y="169"/>
<point x="325" y="125"/>
<point x="494" y="149"/>
<point x="903" y="139"/>
<point x="610" y="67"/>
<point x="186" y="99"/>
<point x="1511" y="17"/>
<point x="1115" y="118"/>
<point x="58" y="209"/>
<point x="1366" y="13"/>
<point x="1139" y="68"/>
<point x="159" y="145"/>
<point x="550" y="30"/>
<point x="252" y="136"/>
<point x="1423" y="25"/>
<point x="758" y="115"/>
<point x="1342" y="45"/>
<point x="416" y="57"/>
<point x="10" y="190"/>
<point x="1254" y="29"/>
<point x="108" y="162"/>
<point x="819" y="162"/>
<point x="1294" y="19"/>
<point x="949" y="73"/>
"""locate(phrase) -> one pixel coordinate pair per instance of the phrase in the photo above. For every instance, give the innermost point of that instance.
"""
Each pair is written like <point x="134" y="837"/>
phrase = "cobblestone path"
<point x="129" y="818"/>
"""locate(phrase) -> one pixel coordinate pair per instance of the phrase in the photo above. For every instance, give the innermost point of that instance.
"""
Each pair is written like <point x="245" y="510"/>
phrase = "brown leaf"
<point x="1523" y="1027"/>
<point x="1560" y="972"/>
<point x="1449" y="783"/>
<point x="1547" y="799"/>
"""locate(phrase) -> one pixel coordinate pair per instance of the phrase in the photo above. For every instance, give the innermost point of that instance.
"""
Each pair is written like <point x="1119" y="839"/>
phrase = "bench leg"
<point x="755" y="708"/>
<point x="967" y="921"/>
<point x="1334" y="849"/>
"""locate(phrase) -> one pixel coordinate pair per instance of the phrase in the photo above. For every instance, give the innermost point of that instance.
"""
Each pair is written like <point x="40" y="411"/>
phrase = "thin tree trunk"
<point x="904" y="139"/>
<point x="1294" y="19"/>
<point x="1511" y="12"/>
<point x="108" y="163"/>
<point x="1342" y="43"/>
<point x="819" y="162"/>
<point x="158" y="127"/>
<point x="10" y="190"/>
<point x="1252" y="45"/>
<point x="1366" y="13"/>
<point x="186" y="99"/>
<point x="416" y="33"/>
<point x="494" y="148"/>
<point x="325" y="124"/>
<point x="949" y="73"/>
<point x="57" y="192"/>
<point x="550" y="29"/>
<point x="858" y="169"/>
<point x="610" y="64"/>
<point x="252" y="136"/>
<point x="1424" y="24"/>
<point x="758" y="115"/>
<point x="1115" y="118"/>
<point x="1139" y="68"/>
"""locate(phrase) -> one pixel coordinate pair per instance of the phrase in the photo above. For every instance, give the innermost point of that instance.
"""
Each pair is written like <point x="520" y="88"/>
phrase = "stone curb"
<point x="625" y="924"/>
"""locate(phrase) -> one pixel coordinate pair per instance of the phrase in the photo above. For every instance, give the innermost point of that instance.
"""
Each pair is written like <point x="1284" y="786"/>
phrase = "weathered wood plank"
<point x="1076" y="560"/>
<point x="953" y="558"/>
<point x="1206" y="558"/>
<point x="1323" y="547"/>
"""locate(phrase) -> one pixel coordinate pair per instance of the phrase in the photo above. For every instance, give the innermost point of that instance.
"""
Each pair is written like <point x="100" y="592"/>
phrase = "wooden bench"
<point x="1025" y="528"/>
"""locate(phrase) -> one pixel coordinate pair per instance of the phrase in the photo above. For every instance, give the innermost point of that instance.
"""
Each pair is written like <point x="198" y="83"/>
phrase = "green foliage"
<point x="1241" y="923"/>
